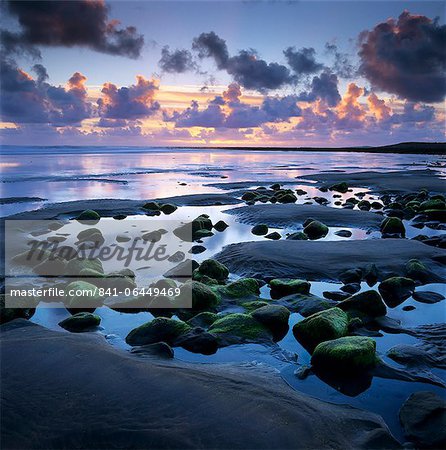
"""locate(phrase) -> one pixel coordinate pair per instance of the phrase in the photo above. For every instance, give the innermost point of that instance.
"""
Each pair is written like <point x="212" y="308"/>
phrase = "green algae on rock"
<point x="346" y="354"/>
<point x="281" y="287"/>
<point x="316" y="230"/>
<point x="81" y="321"/>
<point x="321" y="326"/>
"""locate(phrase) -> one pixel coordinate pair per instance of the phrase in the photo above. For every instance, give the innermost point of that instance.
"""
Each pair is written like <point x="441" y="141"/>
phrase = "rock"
<point x="80" y="294"/>
<point x="120" y="217"/>
<point x="8" y="314"/>
<point x="242" y="288"/>
<point x="336" y="295"/>
<point x="395" y="290"/>
<point x="221" y="225"/>
<point x="184" y="269"/>
<point x="339" y="187"/>
<point x="351" y="276"/>
<point x="368" y="303"/>
<point x="417" y="271"/>
<point x="123" y="238"/>
<point x="275" y="236"/>
<point x="364" y="205"/>
<point x="213" y="269"/>
<point x="177" y="257"/>
<point x="408" y="308"/>
<point x="168" y="208"/>
<point x="196" y="249"/>
<point x="152" y="206"/>
<point x="152" y="236"/>
<point x="316" y="230"/>
<point x="343" y="233"/>
<point x="321" y="200"/>
<point x="301" y="192"/>
<point x="345" y="355"/>
<point x="259" y="230"/>
<point x="351" y="288"/>
<point x="198" y="341"/>
<point x="433" y="204"/>
<point x="275" y="186"/>
<point x="31" y="258"/>
<point x="88" y="215"/>
<point x="286" y="197"/>
<point x="81" y="321"/>
<point x="376" y="205"/>
<point x="202" y="296"/>
<point x="423" y="416"/>
<point x="274" y="317"/>
<point x="201" y="234"/>
<point x="298" y="236"/>
<point x="159" y="349"/>
<point x="200" y="227"/>
<point x="256" y="304"/>
<point x="322" y="326"/>
<point x="306" y="305"/>
<point x="428" y="297"/>
<point x="281" y="287"/>
<point x="91" y="235"/>
<point x="235" y="327"/>
<point x="393" y="225"/>
<point x="160" y="329"/>
<point x="203" y="319"/>
<point x="371" y="274"/>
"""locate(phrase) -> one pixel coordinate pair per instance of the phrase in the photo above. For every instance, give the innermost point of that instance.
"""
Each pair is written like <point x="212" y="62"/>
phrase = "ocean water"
<point x="58" y="174"/>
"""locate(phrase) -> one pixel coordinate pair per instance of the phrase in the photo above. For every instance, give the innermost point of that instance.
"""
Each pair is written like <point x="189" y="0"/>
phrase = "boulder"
<point x="393" y="225"/>
<point x="322" y="326"/>
<point x="316" y="230"/>
<point x="151" y="206"/>
<point x="343" y="233"/>
<point x="242" y="288"/>
<point x="368" y="303"/>
<point x="298" y="236"/>
<point x="202" y="296"/>
<point x="239" y="327"/>
<point x="428" y="297"/>
<point x="260" y="229"/>
<point x="221" y="225"/>
<point x="198" y="341"/>
<point x="423" y="417"/>
<point x="339" y="187"/>
<point x="351" y="276"/>
<point x="346" y="355"/>
<point x="275" y="236"/>
<point x="337" y="296"/>
<point x="82" y="321"/>
<point x="396" y="289"/>
<point x="203" y="319"/>
<point x="432" y="204"/>
<point x="281" y="287"/>
<point x="168" y="208"/>
<point x="88" y="215"/>
<point x="274" y="317"/>
<point x="417" y="271"/>
<point x="81" y="294"/>
<point x="160" y="329"/>
<point x="158" y="349"/>
<point x="213" y="269"/>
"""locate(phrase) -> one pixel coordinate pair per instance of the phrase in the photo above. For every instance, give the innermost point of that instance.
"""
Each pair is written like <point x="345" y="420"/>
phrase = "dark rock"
<point x="168" y="208"/>
<point x="336" y="295"/>
<point x="428" y="297"/>
<point x="298" y="236"/>
<point x="364" y="205"/>
<point x="81" y="321"/>
<point x="423" y="416"/>
<point x="351" y="276"/>
<point x="343" y="233"/>
<point x="221" y="225"/>
<point x="195" y="249"/>
<point x="198" y="341"/>
<point x="274" y="317"/>
<point x="351" y="288"/>
<point x="316" y="230"/>
<point x="275" y="236"/>
<point x="213" y="269"/>
<point x="281" y="287"/>
<point x="183" y="270"/>
<point x="371" y="274"/>
<point x="152" y="206"/>
<point x="203" y="319"/>
<point x="393" y="225"/>
<point x="367" y="303"/>
<point x="395" y="290"/>
<point x="259" y="230"/>
<point x="159" y="349"/>
<point x="408" y="308"/>
<point x="339" y="187"/>
<point x="88" y="215"/>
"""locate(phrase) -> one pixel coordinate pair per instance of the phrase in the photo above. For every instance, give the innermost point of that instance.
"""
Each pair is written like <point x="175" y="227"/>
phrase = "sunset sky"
<point x="271" y="73"/>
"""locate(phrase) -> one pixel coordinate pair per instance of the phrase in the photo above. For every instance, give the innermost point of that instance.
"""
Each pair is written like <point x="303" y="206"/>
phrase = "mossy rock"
<point x="88" y="215"/>
<point x="345" y="355"/>
<point x="75" y="266"/>
<point x="242" y="288"/>
<point x="197" y="276"/>
<point x="249" y="195"/>
<point x="168" y="208"/>
<point x="432" y="204"/>
<point x="255" y="304"/>
<point x="436" y="214"/>
<point x="259" y="229"/>
<point x="287" y="197"/>
<point x="92" y="235"/>
<point x="32" y="258"/>
<point x="368" y="303"/>
<point x="273" y="317"/>
<point x="274" y="236"/>
<point x="160" y="329"/>
<point x="203" y="319"/>
<point x="364" y="205"/>
<point x="393" y="225"/>
<point x="86" y="297"/>
<point x="416" y="270"/>
<point x="203" y="297"/>
<point x="214" y="269"/>
<point x="81" y="321"/>
<point x="322" y="326"/>
<point x="237" y="325"/>
<point x="316" y="230"/>
<point x="396" y="289"/>
<point x="281" y="287"/>
<point x="339" y="187"/>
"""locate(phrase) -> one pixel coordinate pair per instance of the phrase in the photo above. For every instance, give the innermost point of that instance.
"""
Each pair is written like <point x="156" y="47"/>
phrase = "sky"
<point x="222" y="73"/>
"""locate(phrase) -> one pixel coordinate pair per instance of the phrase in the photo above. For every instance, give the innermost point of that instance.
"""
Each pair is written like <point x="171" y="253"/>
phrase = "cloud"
<point x="177" y="61"/>
<point x="303" y="61"/>
<point x="378" y="107"/>
<point x="342" y="65"/>
<point x="406" y="57"/>
<point x="67" y="24"/>
<point x="228" y="111"/>
<point x="25" y="100"/>
<point x="246" y="67"/>
<point x="132" y="102"/>
<point x="323" y="87"/>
